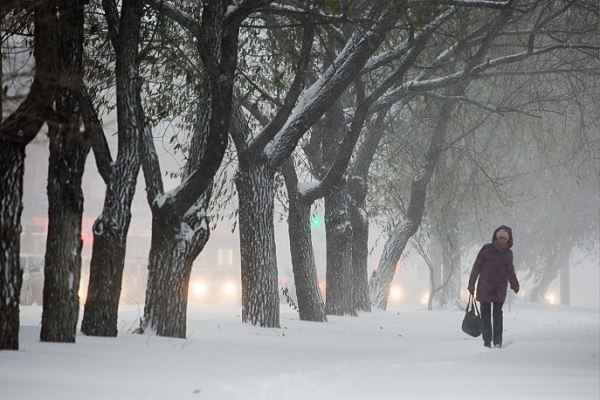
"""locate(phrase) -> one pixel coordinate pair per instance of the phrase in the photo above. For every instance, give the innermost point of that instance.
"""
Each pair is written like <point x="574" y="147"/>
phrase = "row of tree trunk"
<point x="180" y="222"/>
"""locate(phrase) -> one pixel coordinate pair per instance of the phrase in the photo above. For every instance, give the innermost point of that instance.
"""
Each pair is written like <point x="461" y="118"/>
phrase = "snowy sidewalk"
<point x="404" y="353"/>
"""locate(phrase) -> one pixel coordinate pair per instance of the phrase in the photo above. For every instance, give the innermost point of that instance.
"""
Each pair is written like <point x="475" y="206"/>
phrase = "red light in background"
<point x="87" y="234"/>
<point x="322" y="287"/>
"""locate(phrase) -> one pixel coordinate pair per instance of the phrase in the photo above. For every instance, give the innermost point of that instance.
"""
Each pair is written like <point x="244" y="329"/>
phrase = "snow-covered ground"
<point x="404" y="353"/>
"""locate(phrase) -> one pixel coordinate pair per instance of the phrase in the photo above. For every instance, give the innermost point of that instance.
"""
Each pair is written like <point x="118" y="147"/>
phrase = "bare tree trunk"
<point x="360" y="245"/>
<point x="111" y="227"/>
<point x="338" y="229"/>
<point x="68" y="152"/>
<point x="62" y="270"/>
<point x="338" y="232"/>
<point x="178" y="236"/>
<point x="381" y="279"/>
<point x="260" y="298"/>
<point x="179" y="223"/>
<point x="15" y="133"/>
<point x="175" y="246"/>
<point x="12" y="160"/>
<point x="310" y="302"/>
<point x="358" y="189"/>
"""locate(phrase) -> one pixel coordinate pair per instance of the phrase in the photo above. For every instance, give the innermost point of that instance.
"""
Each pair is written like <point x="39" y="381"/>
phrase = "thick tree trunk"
<point x="360" y="245"/>
<point x="381" y="279"/>
<point x="62" y="269"/>
<point x="110" y="237"/>
<point x="338" y="233"/>
<point x="104" y="288"/>
<point x="310" y="302"/>
<point x="179" y="223"/>
<point x="12" y="164"/>
<point x="179" y="234"/>
<point x="358" y="188"/>
<point x="174" y="248"/>
<point x="338" y="228"/>
<point x="306" y="281"/>
<point x="111" y="227"/>
<point x="68" y="152"/>
<point x="260" y="299"/>
<point x="15" y="133"/>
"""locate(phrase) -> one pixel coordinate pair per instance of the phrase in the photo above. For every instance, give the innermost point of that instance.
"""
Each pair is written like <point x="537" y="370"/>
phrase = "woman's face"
<point x="502" y="240"/>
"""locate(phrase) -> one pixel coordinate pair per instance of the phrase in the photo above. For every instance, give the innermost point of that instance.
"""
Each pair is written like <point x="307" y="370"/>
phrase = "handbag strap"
<point x="472" y="303"/>
<point x="475" y="306"/>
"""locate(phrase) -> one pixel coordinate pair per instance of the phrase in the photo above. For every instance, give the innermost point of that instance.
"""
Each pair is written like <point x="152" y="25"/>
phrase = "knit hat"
<point x="502" y="233"/>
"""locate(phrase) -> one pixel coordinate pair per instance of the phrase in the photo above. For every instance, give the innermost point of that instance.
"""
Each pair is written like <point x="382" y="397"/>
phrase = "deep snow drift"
<point x="404" y="353"/>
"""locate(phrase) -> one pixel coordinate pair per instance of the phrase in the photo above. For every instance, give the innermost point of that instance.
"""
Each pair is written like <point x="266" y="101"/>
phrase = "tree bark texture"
<point x="15" y="133"/>
<point x="338" y="230"/>
<point x="62" y="268"/>
<point x="111" y="227"/>
<point x="178" y="236"/>
<point x="358" y="189"/>
<point x="338" y="233"/>
<point x="176" y="243"/>
<point x="306" y="281"/>
<point x="12" y="160"/>
<point x="179" y="221"/>
<point x="360" y="245"/>
<point x="68" y="152"/>
<point x="310" y="301"/>
<point x="260" y="299"/>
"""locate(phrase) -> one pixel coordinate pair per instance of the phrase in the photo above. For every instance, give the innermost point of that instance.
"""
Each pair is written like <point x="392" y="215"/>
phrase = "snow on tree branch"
<point x="271" y="129"/>
<point x="315" y="100"/>
<point x="417" y="86"/>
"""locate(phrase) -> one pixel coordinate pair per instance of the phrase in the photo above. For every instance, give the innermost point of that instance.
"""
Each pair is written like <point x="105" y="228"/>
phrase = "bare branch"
<point x="416" y="86"/>
<point x="316" y="99"/>
<point x="269" y="132"/>
<point x="95" y="131"/>
<point x="111" y="14"/>
<point x="172" y="12"/>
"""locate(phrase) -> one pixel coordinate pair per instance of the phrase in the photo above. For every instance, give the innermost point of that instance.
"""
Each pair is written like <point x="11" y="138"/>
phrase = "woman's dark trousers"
<point x="488" y="333"/>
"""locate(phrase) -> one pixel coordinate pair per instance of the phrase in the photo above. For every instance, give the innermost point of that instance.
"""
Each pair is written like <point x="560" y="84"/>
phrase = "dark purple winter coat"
<point x="494" y="268"/>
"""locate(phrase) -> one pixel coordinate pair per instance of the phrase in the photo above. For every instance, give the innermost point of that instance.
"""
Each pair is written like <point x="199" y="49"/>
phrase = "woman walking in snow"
<point x="494" y="268"/>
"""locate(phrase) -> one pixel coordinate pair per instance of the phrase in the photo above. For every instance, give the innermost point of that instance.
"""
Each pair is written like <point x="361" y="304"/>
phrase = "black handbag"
<point x="472" y="324"/>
